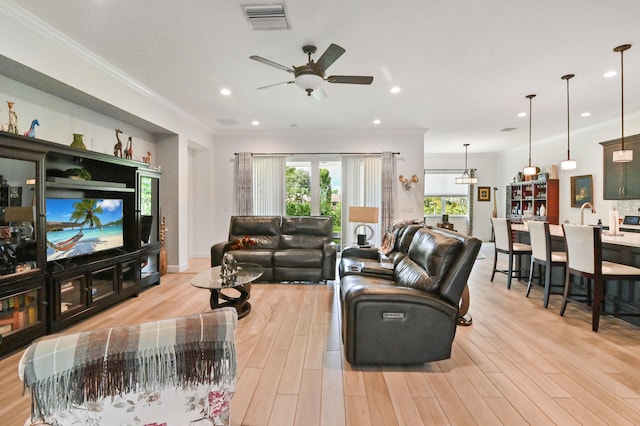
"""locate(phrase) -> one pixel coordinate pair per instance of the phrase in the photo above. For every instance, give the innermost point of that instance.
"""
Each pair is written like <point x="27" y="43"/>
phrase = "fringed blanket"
<point x="63" y="371"/>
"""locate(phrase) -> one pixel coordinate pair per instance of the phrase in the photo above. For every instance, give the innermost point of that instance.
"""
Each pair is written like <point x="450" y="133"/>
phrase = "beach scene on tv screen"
<point x="82" y="226"/>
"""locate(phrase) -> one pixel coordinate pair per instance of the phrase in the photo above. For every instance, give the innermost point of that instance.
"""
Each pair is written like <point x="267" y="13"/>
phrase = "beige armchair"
<point x="179" y="371"/>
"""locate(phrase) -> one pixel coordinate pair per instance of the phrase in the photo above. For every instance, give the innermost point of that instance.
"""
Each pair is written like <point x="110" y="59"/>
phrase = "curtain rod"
<point x="317" y="153"/>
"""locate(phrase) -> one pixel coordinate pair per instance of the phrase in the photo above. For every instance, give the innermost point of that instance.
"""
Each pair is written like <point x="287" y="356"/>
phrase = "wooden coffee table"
<point x="240" y="281"/>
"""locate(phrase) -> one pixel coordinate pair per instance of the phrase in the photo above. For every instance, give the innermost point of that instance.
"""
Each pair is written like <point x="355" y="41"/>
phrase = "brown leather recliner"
<point x="411" y="317"/>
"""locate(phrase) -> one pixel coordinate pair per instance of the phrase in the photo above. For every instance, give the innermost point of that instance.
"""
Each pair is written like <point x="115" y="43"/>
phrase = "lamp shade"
<point x="568" y="165"/>
<point x="363" y="214"/>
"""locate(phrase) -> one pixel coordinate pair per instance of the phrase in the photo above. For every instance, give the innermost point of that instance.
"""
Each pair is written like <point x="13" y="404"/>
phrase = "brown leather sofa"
<point x="289" y="248"/>
<point x="406" y="315"/>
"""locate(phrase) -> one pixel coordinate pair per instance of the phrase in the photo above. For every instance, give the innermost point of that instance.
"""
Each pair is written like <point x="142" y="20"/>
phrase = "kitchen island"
<point x="620" y="296"/>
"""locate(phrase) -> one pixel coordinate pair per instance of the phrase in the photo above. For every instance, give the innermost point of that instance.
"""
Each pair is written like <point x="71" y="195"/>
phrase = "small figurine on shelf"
<point x="31" y="133"/>
<point x="147" y="158"/>
<point x="117" y="148"/>
<point x="12" y="125"/>
<point x="128" y="151"/>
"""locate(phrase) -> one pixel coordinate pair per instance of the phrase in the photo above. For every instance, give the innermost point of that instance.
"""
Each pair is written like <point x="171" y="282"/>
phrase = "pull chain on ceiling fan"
<point x="310" y="76"/>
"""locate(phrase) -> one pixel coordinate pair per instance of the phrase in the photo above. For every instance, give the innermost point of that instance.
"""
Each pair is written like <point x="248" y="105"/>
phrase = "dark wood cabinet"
<point x="78" y="291"/>
<point x="621" y="180"/>
<point x="56" y="269"/>
<point x="540" y="198"/>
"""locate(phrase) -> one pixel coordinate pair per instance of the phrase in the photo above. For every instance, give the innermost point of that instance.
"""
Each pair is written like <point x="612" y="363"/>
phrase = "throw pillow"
<point x="243" y="243"/>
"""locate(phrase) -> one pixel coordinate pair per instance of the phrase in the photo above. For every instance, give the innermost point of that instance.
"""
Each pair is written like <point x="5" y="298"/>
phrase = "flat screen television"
<point x="81" y="226"/>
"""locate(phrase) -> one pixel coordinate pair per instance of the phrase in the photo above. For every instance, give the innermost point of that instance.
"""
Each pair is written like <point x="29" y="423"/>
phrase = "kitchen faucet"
<point x="582" y="211"/>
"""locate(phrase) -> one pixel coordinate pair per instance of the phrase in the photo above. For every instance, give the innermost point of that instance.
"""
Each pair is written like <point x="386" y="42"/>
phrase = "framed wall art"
<point x="484" y="193"/>
<point x="581" y="190"/>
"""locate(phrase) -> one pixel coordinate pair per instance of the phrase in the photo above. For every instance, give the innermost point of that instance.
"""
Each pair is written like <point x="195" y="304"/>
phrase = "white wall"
<point x="587" y="151"/>
<point x="408" y="143"/>
<point x="34" y="45"/>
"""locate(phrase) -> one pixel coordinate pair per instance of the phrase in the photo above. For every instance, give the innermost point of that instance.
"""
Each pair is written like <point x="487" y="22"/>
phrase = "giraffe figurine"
<point x="147" y="158"/>
<point x="117" y="148"/>
<point x="128" y="151"/>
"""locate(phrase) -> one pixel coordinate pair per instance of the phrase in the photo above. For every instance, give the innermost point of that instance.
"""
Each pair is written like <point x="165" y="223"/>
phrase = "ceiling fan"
<point x="311" y="75"/>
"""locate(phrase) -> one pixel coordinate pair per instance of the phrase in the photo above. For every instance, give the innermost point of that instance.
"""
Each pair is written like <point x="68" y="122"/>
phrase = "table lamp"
<point x="362" y="216"/>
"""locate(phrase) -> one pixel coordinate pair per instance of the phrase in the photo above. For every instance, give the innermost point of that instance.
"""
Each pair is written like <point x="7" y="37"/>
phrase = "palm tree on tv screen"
<point x="86" y="212"/>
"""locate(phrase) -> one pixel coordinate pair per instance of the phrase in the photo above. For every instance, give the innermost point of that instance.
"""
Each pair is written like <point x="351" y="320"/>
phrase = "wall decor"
<point x="484" y="193"/>
<point x="581" y="190"/>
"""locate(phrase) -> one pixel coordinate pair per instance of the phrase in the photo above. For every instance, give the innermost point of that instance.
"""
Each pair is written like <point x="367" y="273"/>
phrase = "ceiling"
<point x="464" y="67"/>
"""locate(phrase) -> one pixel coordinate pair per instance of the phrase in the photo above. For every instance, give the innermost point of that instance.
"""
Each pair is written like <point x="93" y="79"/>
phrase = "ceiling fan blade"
<point x="319" y="94"/>
<point x="329" y="56"/>
<point x="284" y="83"/>
<point x="350" y="79"/>
<point x="271" y="63"/>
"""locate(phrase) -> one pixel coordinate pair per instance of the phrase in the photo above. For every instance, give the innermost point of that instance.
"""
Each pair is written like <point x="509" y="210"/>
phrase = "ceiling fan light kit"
<point x="310" y="76"/>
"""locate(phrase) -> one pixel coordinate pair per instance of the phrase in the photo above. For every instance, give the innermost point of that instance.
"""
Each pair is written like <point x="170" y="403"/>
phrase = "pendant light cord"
<point x="568" y="77"/>
<point x="530" y="97"/>
<point x="622" y="97"/>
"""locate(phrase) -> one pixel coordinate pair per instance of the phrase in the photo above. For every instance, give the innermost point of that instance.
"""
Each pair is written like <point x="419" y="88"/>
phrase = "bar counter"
<point x="627" y="238"/>
<point x="625" y="248"/>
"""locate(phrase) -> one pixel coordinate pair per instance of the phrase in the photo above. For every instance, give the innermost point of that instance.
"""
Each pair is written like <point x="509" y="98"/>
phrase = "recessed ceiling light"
<point x="376" y="121"/>
<point x="522" y="114"/>
<point x="610" y="74"/>
<point x="585" y="114"/>
<point x="395" y="89"/>
<point x="225" y="92"/>
<point x="255" y="123"/>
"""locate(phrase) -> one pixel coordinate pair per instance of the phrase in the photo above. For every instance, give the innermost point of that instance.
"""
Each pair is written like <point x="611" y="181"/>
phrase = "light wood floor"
<point x="517" y="364"/>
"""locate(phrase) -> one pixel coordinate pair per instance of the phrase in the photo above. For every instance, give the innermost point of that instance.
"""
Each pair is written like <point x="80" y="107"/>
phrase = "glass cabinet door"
<point x="18" y="311"/>
<point x="149" y="227"/>
<point x="18" y="223"/>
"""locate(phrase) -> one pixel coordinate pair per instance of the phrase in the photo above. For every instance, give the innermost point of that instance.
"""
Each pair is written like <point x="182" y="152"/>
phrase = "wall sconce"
<point x="407" y="182"/>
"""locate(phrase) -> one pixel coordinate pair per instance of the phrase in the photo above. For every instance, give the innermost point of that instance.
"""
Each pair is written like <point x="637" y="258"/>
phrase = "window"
<point x="443" y="196"/>
<point x="313" y="188"/>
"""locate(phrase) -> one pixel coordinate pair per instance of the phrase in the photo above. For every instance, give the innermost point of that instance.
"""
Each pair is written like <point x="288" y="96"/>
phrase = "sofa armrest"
<point x="329" y="256"/>
<point x="384" y="324"/>
<point x="363" y="253"/>
<point x="217" y="251"/>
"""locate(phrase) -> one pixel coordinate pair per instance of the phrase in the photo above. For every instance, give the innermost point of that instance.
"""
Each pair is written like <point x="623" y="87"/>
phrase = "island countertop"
<point x="631" y="239"/>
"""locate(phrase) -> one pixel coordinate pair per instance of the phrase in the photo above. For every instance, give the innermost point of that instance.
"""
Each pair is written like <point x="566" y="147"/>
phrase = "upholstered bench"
<point x="178" y="371"/>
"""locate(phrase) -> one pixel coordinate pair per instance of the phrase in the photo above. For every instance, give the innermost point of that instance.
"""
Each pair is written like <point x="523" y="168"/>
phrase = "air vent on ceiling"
<point x="264" y="17"/>
<point x="227" y="121"/>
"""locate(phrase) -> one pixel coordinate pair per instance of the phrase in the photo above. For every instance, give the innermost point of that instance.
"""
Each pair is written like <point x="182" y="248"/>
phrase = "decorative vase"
<point x="77" y="141"/>
<point x="163" y="251"/>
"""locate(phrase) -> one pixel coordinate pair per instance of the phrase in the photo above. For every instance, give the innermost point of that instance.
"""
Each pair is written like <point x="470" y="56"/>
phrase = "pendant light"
<point x="622" y="155"/>
<point x="568" y="164"/>
<point x="530" y="170"/>
<point x="466" y="177"/>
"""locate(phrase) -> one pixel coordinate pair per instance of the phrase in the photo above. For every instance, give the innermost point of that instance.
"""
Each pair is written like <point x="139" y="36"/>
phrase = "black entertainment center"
<point x="82" y="235"/>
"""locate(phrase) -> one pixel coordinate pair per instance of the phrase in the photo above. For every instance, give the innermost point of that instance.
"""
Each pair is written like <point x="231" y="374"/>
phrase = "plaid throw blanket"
<point x="62" y="371"/>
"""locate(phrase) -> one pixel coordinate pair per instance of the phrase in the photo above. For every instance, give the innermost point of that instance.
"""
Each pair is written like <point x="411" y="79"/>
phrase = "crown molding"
<point x="42" y="28"/>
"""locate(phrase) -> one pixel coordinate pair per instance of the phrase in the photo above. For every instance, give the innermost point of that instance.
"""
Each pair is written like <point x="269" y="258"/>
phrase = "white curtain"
<point x="361" y="186"/>
<point x="389" y="189"/>
<point x="269" y="185"/>
<point x="244" y="184"/>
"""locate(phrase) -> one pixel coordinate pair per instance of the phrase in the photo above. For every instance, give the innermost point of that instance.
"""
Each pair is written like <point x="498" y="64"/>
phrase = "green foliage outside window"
<point x="453" y="206"/>
<point x="298" y="186"/>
